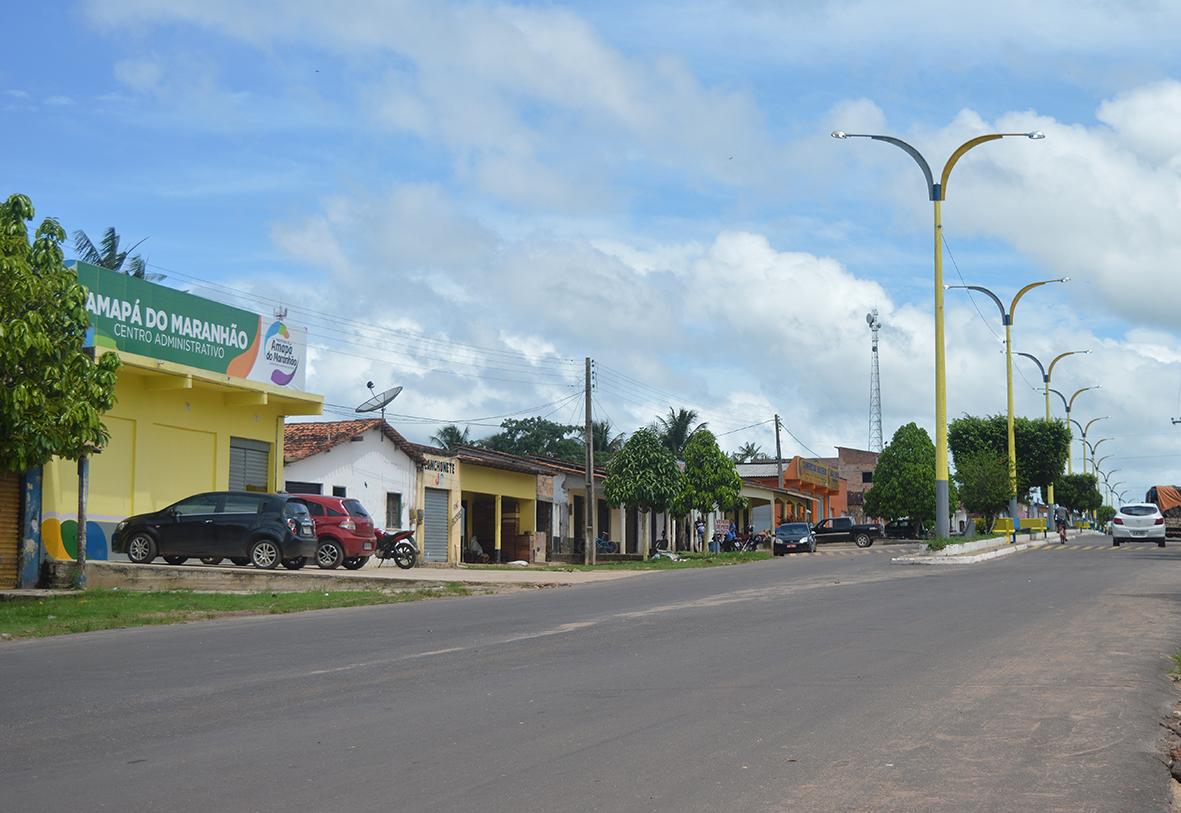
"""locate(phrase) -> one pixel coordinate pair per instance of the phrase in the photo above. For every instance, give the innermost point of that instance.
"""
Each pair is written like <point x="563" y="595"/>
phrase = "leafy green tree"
<point x="1042" y="447"/>
<point x="643" y="475"/>
<point x="1078" y="492"/>
<point x="450" y="436"/>
<point x="675" y="429"/>
<point x="108" y="255"/>
<point x="982" y="480"/>
<point x="52" y="393"/>
<point x="1104" y="514"/>
<point x="537" y="436"/>
<point x="710" y="480"/>
<point x="904" y="480"/>
<point x="747" y="453"/>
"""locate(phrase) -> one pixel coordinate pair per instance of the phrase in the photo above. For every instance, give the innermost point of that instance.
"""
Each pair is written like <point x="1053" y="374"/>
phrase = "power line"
<point x="972" y="299"/>
<point x="741" y="428"/>
<point x="448" y="347"/>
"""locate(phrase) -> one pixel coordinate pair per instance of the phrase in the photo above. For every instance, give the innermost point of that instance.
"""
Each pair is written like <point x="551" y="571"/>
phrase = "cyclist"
<point x="1060" y="518"/>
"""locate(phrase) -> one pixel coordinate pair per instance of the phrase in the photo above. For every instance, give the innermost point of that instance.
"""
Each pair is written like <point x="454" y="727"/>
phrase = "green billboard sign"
<point x="133" y="315"/>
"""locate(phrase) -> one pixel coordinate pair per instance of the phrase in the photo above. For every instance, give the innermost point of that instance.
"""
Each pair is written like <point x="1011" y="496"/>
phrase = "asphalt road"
<point x="813" y="683"/>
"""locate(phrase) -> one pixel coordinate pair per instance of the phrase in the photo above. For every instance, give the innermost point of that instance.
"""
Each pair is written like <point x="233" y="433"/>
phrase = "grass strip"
<point x="687" y="560"/>
<point x="111" y="609"/>
<point x="1175" y="674"/>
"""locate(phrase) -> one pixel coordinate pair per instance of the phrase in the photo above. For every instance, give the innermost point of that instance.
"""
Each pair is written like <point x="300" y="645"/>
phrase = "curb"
<point x="964" y="559"/>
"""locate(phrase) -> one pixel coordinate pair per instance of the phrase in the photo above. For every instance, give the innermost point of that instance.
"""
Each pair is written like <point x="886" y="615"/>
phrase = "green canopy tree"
<point x="710" y="480"/>
<point x="1042" y="446"/>
<point x="450" y="436"/>
<point x="904" y="480"/>
<point x="982" y="480"/>
<point x="52" y="393"/>
<point x="643" y="475"/>
<point x="1105" y="514"/>
<point x="1078" y="492"/>
<point x="537" y="436"/>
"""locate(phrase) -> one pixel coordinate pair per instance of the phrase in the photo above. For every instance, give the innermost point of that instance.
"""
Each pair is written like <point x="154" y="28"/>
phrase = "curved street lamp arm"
<point x="932" y="190"/>
<point x="1102" y="459"/>
<point x="1093" y="420"/>
<point x="1027" y="289"/>
<point x="1065" y="405"/>
<point x="1080" y="428"/>
<point x="959" y="153"/>
<point x="1000" y="305"/>
<point x="1096" y="445"/>
<point x="1079" y="392"/>
<point x="1045" y="375"/>
<point x="967" y="145"/>
<point x="1059" y="357"/>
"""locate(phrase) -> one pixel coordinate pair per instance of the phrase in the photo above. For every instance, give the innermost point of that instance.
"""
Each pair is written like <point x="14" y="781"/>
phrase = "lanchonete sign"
<point x="141" y="317"/>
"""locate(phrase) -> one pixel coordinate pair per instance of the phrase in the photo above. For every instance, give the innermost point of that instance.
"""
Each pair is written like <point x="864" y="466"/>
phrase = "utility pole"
<point x="588" y="553"/>
<point x="778" y="462"/>
<point x="83" y="487"/>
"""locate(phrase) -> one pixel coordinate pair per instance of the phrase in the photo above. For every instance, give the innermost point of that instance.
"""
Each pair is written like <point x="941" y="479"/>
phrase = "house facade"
<point x="367" y="460"/>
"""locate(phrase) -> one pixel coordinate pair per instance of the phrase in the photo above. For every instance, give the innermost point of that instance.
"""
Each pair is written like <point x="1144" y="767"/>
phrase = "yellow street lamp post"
<point x="1047" y="374"/>
<point x="1069" y="404"/>
<point x="1007" y="320"/>
<point x="937" y="193"/>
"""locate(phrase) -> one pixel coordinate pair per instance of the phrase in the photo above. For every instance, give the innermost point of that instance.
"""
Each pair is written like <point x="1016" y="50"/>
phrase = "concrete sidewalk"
<point x="127" y="576"/>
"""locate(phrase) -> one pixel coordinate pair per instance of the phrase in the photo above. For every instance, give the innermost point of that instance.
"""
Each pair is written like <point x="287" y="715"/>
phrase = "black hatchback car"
<point x="245" y="527"/>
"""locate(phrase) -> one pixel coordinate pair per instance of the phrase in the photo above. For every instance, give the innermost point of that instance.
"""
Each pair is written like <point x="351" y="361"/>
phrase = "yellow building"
<point x="469" y="492"/>
<point x="200" y="404"/>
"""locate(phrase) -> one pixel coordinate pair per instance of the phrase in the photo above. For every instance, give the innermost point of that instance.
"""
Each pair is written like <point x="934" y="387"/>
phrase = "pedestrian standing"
<point x="699" y="527"/>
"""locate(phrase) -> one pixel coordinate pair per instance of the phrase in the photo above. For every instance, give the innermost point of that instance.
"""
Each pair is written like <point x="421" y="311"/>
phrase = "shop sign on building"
<point x="438" y="472"/>
<point x="818" y="473"/>
<point x="141" y="317"/>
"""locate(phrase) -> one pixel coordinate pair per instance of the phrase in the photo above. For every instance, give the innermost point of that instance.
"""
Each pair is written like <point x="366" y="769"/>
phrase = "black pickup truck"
<point x="843" y="529"/>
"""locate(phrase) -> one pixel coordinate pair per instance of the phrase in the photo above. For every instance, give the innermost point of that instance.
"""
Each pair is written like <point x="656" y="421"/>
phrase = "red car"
<point x="344" y="530"/>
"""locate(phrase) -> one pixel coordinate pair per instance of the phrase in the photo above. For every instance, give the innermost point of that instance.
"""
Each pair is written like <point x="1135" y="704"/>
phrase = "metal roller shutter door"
<point x="438" y="525"/>
<point x="10" y="520"/>
<point x="250" y="464"/>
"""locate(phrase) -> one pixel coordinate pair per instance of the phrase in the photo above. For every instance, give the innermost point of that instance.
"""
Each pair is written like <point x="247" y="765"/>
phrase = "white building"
<point x="367" y="460"/>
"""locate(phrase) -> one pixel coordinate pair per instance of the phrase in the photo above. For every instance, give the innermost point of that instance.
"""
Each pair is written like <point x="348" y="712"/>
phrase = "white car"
<point x="1138" y="521"/>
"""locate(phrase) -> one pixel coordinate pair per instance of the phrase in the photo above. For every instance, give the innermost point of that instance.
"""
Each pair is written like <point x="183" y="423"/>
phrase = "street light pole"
<point x="1047" y="374"/>
<point x="1086" y="445"/>
<point x="1069" y="420"/>
<point x="1007" y="320"/>
<point x="937" y="193"/>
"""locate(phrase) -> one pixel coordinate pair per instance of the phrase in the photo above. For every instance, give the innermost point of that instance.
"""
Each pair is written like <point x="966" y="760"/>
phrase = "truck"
<point x="843" y="529"/>
<point x="1168" y="500"/>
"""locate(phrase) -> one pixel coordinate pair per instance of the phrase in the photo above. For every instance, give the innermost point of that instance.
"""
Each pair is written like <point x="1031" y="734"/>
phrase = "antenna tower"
<point x="875" y="385"/>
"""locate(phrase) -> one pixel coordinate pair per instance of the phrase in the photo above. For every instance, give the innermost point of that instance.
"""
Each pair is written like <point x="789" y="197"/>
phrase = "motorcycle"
<point x="751" y="542"/>
<point x="399" y="546"/>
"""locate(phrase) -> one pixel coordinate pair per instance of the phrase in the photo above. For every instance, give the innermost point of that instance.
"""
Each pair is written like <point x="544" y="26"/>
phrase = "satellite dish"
<point x="869" y="318"/>
<point x="380" y="400"/>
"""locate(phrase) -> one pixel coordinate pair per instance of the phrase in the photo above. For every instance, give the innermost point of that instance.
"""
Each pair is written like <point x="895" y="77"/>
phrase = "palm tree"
<point x="108" y="255"/>
<point x="605" y="443"/>
<point x="747" y="453"/>
<point x="449" y="436"/>
<point x="676" y="428"/>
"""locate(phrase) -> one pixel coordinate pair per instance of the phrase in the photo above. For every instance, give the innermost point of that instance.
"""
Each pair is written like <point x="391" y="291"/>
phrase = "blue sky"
<point x="649" y="183"/>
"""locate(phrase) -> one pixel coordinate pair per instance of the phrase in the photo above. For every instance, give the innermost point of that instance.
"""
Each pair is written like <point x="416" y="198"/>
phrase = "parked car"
<point x="344" y="531"/>
<point x="843" y="529"/>
<point x="1138" y="521"/>
<point x="260" y="529"/>
<point x="905" y="528"/>
<point x="793" y="536"/>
